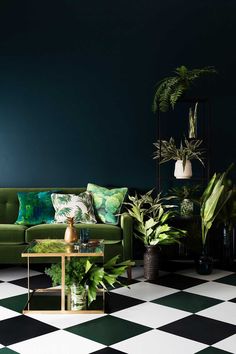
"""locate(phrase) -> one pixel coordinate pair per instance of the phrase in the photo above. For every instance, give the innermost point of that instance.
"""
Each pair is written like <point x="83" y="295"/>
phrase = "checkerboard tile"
<point x="151" y="315"/>
<point x="187" y="302"/>
<point x="108" y="330"/>
<point x="8" y="290"/>
<point x="158" y="342"/>
<point x="7" y="351"/>
<point x="212" y="350"/>
<point x="145" y="291"/>
<point x="15" y="273"/>
<point x="59" y="342"/>
<point x="200" y="329"/>
<point x="182" y="312"/>
<point x="178" y="281"/>
<point x="216" y="274"/>
<point x="227" y="344"/>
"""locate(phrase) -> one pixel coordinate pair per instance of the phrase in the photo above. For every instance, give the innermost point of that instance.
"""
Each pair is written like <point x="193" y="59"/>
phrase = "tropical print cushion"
<point x="107" y="202"/>
<point x="80" y="207"/>
<point x="35" y="208"/>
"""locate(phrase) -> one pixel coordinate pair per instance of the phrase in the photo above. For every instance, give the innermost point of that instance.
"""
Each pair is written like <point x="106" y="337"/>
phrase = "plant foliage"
<point x="48" y="246"/>
<point x="151" y="217"/>
<point x="192" y="132"/>
<point x="87" y="274"/>
<point x="213" y="200"/>
<point x="171" y="88"/>
<point x="185" y="192"/>
<point x="167" y="150"/>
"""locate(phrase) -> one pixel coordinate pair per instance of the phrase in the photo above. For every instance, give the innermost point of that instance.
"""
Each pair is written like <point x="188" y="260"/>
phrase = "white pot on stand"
<point x="182" y="173"/>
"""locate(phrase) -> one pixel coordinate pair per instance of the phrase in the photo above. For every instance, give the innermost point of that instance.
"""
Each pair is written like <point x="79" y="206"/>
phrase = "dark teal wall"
<point x="77" y="78"/>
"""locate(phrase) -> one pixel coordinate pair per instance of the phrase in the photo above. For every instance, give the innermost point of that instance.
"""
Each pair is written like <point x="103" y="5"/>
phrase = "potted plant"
<point x="83" y="278"/>
<point x="151" y="226"/>
<point x="171" y="88"/>
<point x="167" y="150"/>
<point x="212" y="201"/>
<point x="187" y="197"/>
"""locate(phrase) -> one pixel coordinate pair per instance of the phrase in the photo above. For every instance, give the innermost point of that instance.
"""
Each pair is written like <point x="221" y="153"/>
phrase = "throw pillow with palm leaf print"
<point x="80" y="207"/>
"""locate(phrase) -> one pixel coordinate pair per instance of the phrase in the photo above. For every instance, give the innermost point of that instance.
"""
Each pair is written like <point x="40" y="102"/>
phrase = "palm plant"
<point x="213" y="200"/>
<point x="171" y="88"/>
<point x="167" y="150"/>
<point x="151" y="218"/>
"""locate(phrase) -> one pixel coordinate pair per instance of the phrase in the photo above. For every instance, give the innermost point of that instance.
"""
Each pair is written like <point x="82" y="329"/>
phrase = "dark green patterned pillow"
<point x="107" y="202"/>
<point x="35" y="208"/>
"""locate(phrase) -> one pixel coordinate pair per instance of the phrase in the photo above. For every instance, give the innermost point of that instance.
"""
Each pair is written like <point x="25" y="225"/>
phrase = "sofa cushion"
<point x="35" y="208"/>
<point x="79" y="207"/>
<point x="57" y="231"/>
<point x="107" y="202"/>
<point x="12" y="233"/>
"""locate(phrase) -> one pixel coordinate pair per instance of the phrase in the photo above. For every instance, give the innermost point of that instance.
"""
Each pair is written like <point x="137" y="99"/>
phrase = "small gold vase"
<point x="70" y="233"/>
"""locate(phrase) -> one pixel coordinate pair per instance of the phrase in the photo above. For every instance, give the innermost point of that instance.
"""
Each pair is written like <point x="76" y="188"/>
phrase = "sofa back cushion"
<point x="9" y="203"/>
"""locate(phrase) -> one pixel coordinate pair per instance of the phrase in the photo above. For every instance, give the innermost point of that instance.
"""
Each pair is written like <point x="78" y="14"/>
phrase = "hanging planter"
<point x="182" y="172"/>
<point x="190" y="150"/>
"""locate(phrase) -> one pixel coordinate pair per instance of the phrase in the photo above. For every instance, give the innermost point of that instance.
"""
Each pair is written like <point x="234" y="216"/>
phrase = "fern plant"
<point x="171" y="88"/>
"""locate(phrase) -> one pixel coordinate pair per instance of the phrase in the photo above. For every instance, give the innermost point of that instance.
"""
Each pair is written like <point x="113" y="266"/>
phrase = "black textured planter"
<point x="204" y="265"/>
<point x="151" y="262"/>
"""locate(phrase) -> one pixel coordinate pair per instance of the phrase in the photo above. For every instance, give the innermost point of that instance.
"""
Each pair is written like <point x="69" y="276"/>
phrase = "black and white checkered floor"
<point x="182" y="312"/>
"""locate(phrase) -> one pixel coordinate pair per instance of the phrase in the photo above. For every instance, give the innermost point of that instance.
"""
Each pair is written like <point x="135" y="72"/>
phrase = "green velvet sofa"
<point x="14" y="238"/>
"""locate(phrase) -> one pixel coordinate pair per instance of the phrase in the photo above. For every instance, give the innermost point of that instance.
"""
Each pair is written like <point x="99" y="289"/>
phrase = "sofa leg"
<point x="129" y="273"/>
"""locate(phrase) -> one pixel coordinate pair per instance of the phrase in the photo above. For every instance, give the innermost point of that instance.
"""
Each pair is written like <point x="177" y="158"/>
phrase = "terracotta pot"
<point x="151" y="262"/>
<point x="180" y="172"/>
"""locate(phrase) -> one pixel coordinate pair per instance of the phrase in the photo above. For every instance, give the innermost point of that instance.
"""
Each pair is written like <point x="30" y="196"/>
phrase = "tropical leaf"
<point x="64" y="211"/>
<point x="151" y="217"/>
<point x="171" y="89"/>
<point x="213" y="200"/>
<point x="167" y="150"/>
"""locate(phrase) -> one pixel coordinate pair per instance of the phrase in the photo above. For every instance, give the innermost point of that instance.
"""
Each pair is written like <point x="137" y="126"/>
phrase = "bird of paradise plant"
<point x="213" y="199"/>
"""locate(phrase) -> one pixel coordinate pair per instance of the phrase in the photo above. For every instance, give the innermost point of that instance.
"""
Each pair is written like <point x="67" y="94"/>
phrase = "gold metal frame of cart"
<point x="63" y="256"/>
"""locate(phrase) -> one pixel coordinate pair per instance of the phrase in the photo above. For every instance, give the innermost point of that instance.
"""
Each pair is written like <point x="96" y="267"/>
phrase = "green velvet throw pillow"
<point x="80" y="207"/>
<point x="107" y="202"/>
<point x="35" y="208"/>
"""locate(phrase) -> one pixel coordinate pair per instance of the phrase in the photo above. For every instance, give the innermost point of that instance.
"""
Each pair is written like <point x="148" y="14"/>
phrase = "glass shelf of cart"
<point x="57" y="248"/>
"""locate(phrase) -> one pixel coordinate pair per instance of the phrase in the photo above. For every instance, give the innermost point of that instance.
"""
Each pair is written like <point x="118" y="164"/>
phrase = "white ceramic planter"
<point x="182" y="173"/>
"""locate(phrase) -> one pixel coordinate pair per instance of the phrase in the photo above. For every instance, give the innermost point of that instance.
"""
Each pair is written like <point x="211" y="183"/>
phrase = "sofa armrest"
<point x="126" y="224"/>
